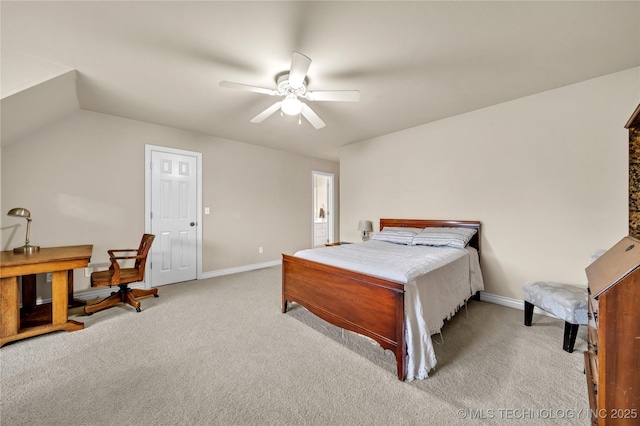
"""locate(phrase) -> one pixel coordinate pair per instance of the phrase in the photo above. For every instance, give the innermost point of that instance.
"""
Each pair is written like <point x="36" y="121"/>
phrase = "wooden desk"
<point x="57" y="260"/>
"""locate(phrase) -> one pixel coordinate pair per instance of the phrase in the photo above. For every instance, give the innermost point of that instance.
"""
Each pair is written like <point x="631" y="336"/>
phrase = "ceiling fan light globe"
<point x="291" y="105"/>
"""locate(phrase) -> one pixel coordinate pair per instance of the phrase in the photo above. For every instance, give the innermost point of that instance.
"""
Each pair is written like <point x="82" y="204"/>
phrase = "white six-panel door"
<point x="173" y="216"/>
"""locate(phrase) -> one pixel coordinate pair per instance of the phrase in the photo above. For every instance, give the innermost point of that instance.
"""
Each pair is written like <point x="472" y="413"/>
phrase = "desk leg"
<point x="59" y="303"/>
<point x="9" y="308"/>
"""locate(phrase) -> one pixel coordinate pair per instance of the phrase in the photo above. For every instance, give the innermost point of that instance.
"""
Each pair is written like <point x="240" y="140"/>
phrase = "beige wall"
<point x="546" y="175"/>
<point x="83" y="181"/>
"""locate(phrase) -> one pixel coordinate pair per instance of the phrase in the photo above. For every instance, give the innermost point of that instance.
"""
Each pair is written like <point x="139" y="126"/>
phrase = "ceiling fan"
<point x="292" y="85"/>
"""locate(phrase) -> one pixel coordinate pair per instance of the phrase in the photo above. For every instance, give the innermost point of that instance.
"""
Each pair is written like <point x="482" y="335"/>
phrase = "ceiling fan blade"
<point x="334" y="95"/>
<point x="266" y="113"/>
<point x="312" y="117"/>
<point x="299" y="67"/>
<point x="239" y="86"/>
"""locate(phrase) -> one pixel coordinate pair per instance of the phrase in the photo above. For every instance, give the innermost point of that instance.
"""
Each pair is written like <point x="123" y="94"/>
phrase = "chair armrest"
<point x="115" y="266"/>
<point x="111" y="252"/>
<point x="125" y="257"/>
<point x="112" y="255"/>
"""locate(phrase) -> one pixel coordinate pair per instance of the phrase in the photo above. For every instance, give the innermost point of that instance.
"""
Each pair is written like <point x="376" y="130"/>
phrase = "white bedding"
<point x="437" y="281"/>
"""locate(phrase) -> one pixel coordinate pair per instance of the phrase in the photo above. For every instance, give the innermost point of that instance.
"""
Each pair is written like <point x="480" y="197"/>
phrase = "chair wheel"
<point x="138" y="310"/>
<point x="156" y="295"/>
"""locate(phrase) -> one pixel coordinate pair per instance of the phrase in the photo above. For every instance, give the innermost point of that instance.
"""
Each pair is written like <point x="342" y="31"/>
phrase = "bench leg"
<point x="570" y="333"/>
<point x="528" y="313"/>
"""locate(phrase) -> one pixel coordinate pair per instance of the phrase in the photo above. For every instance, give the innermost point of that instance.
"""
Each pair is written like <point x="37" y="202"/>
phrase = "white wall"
<point x="83" y="181"/>
<point x="546" y="175"/>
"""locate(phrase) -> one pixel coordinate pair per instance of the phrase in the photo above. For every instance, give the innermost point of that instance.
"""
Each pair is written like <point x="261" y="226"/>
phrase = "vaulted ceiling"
<point x="413" y="62"/>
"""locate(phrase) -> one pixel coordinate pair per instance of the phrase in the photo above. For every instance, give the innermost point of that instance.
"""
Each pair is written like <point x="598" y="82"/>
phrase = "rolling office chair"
<point x="122" y="277"/>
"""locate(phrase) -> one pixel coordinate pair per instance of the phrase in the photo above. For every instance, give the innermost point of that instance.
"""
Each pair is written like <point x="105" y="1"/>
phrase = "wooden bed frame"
<point x="368" y="305"/>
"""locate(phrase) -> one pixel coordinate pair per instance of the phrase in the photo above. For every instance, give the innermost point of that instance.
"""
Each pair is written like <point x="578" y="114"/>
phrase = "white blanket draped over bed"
<point x="437" y="282"/>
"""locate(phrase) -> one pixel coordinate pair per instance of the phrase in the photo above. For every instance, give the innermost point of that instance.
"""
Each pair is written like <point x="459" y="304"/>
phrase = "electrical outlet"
<point x="260" y="250"/>
<point x="88" y="271"/>
<point x="49" y="277"/>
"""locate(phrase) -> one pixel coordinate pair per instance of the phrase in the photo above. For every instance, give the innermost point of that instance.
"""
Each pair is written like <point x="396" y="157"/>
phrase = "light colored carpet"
<point x="220" y="352"/>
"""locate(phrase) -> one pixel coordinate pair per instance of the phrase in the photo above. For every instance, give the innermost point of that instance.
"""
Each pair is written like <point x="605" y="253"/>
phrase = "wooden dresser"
<point x="634" y="173"/>
<point x="612" y="362"/>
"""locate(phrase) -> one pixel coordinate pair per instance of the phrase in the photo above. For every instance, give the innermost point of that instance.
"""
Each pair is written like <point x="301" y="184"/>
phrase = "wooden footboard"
<point x="361" y="303"/>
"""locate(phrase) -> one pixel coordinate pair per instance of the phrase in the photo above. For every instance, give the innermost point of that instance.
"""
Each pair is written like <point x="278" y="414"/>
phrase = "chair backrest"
<point x="143" y="251"/>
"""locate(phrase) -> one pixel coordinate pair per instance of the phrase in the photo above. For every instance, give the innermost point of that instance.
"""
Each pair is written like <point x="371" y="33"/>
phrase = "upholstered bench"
<point x="566" y="301"/>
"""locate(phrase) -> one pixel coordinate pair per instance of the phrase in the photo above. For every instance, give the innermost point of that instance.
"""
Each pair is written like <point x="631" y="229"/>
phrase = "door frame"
<point x="147" y="201"/>
<point x="331" y="223"/>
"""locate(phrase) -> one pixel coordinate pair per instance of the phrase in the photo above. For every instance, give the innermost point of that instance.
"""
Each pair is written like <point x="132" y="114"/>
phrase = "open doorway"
<point x="322" y="216"/>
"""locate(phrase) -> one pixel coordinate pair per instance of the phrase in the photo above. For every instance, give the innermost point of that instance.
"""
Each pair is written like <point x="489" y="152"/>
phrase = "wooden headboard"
<point x="435" y="223"/>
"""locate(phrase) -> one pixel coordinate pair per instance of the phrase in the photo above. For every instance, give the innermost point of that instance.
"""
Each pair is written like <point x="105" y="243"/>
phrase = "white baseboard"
<point x="485" y="297"/>
<point x="102" y="292"/>
<point x="106" y="291"/>
<point x="509" y="302"/>
<point x="244" y="268"/>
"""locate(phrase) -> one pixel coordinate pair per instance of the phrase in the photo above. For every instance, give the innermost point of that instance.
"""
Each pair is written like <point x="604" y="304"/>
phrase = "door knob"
<point x="192" y="224"/>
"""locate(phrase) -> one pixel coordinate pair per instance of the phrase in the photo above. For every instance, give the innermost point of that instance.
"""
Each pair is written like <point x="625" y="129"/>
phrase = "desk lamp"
<point x="365" y="226"/>
<point x="22" y="212"/>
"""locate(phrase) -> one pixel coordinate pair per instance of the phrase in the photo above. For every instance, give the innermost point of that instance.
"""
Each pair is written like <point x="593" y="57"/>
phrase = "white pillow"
<point x="451" y="237"/>
<point x="397" y="235"/>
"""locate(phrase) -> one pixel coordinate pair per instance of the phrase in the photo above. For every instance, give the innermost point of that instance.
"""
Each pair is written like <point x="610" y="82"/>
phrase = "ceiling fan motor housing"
<point x="285" y="88"/>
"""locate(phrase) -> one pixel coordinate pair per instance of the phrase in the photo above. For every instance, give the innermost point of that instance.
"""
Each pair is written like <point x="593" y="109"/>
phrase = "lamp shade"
<point x="365" y="226"/>
<point x="19" y="212"/>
